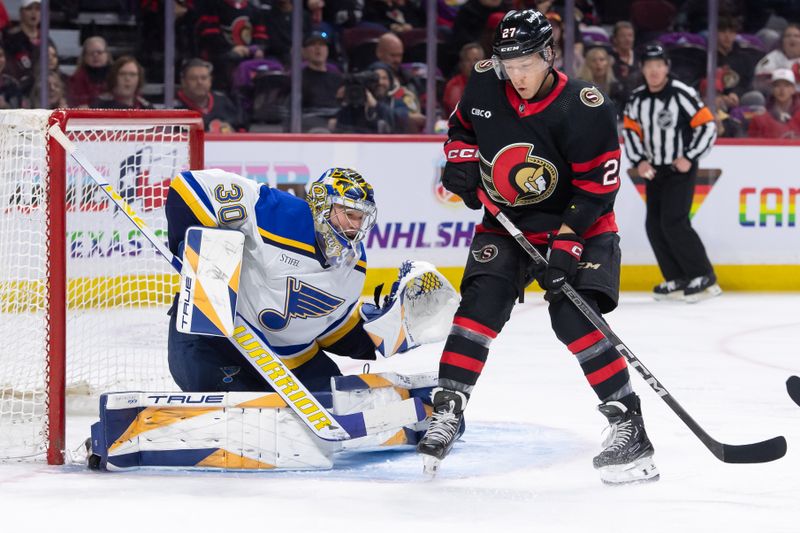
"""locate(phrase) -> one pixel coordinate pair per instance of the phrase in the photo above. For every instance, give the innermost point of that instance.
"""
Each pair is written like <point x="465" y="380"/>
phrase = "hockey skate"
<point x="669" y="290"/>
<point x="701" y="288"/>
<point x="627" y="456"/>
<point x="446" y="425"/>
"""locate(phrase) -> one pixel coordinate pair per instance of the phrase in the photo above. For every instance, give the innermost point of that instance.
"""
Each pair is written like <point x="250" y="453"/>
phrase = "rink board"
<point x="746" y="214"/>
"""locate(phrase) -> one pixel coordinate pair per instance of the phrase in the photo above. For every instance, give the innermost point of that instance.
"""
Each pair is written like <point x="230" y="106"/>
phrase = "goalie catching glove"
<point x="418" y="310"/>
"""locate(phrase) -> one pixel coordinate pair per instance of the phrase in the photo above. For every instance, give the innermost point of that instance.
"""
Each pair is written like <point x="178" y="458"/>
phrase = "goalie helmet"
<point x="343" y="207"/>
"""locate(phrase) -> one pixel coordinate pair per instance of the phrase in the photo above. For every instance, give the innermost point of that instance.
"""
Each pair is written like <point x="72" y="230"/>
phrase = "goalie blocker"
<point x="246" y="430"/>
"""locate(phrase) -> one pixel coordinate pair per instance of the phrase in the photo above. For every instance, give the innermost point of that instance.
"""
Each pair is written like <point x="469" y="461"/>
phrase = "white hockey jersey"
<point x="286" y="290"/>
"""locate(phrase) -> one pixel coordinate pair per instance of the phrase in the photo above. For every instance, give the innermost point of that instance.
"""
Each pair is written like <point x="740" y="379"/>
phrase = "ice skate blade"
<point x="710" y="292"/>
<point x="675" y="296"/>
<point x="642" y="470"/>
<point x="430" y="466"/>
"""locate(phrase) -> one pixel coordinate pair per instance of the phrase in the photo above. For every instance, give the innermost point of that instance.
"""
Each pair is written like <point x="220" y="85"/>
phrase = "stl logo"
<point x="706" y="179"/>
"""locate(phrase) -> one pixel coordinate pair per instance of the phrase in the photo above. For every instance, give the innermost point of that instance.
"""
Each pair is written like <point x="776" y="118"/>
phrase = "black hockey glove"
<point x="565" y="253"/>
<point x="461" y="174"/>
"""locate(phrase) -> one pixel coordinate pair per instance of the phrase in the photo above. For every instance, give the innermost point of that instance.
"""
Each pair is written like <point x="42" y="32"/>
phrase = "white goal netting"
<point x="118" y="288"/>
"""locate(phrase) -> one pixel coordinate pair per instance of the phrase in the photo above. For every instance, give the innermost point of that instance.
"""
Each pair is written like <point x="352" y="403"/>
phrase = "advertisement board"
<point x="744" y="208"/>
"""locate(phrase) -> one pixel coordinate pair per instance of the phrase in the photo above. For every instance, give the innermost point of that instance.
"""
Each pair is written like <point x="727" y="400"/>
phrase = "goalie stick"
<point x="793" y="388"/>
<point x="257" y="352"/>
<point x="758" y="452"/>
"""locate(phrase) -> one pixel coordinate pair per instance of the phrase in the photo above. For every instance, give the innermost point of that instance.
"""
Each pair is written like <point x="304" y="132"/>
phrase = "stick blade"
<point x="758" y="452"/>
<point x="793" y="388"/>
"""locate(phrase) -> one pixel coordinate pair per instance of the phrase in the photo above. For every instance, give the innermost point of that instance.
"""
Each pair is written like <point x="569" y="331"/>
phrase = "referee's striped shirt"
<point x="660" y="127"/>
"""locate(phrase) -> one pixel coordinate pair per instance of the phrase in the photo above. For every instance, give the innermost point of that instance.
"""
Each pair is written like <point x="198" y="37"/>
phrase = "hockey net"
<point x="83" y="296"/>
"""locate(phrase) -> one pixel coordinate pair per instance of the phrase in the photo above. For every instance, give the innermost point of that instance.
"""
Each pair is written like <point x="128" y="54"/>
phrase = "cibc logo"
<point x="481" y="113"/>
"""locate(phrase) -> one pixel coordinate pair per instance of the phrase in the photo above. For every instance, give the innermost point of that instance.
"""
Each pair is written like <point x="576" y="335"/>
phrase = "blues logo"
<point x="302" y="301"/>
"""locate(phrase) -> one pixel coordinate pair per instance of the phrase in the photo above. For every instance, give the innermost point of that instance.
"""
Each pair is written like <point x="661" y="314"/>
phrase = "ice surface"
<point x="525" y="462"/>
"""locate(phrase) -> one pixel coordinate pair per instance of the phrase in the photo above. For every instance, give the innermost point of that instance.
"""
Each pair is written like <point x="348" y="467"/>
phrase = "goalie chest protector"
<point x="286" y="290"/>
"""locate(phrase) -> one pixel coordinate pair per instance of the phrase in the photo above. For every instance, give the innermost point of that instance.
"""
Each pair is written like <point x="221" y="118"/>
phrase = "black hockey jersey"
<point x="223" y="24"/>
<point x="544" y="162"/>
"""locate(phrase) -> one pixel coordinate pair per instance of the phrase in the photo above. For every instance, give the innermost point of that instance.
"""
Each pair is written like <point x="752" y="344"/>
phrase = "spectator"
<point x="360" y="111"/>
<point x="150" y="19"/>
<point x="279" y="28"/>
<point x="3" y="17"/>
<point x="125" y="81"/>
<point x="220" y="114"/>
<point x="626" y="60"/>
<point x="89" y="79"/>
<point x="469" y="25"/>
<point x="470" y="54"/>
<point x="9" y="87"/>
<point x="738" y="64"/>
<point x="56" y="92"/>
<point x="397" y="16"/>
<point x="389" y="51"/>
<point x="403" y="103"/>
<point x="229" y="32"/>
<point x="343" y="13"/>
<point x="54" y="64"/>
<point x="735" y="122"/>
<point x="786" y="56"/>
<point x="782" y="116"/>
<point x="22" y="42"/>
<point x="320" y="84"/>
<point x="597" y="69"/>
<point x="558" y="43"/>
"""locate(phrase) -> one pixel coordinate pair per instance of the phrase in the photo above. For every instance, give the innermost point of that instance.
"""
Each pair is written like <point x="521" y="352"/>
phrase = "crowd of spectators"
<point x="364" y="67"/>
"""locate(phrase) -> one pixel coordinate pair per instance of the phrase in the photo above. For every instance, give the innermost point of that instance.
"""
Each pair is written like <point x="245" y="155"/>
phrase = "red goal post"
<point x="81" y="294"/>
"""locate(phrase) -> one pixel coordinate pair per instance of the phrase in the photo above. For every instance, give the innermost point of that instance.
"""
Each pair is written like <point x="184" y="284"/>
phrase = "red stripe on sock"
<point x="474" y="326"/>
<point x="584" y="342"/>
<point x="461" y="361"/>
<point x="599" y="376"/>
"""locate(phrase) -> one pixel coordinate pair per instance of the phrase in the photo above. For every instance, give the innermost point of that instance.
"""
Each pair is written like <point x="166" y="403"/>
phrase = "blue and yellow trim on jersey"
<point x="195" y="198"/>
<point x="285" y="221"/>
<point x="336" y="331"/>
<point x="361" y="265"/>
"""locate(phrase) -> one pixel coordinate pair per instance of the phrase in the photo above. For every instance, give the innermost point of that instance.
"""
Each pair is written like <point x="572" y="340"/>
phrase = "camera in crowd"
<point x="356" y="85"/>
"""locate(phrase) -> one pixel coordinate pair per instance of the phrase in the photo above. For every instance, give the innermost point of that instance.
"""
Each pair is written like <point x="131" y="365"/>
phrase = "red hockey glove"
<point x="462" y="174"/>
<point x="565" y="253"/>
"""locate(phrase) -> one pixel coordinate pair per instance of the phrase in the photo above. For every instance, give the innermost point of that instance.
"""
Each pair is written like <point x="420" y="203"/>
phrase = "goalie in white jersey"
<point x="303" y="270"/>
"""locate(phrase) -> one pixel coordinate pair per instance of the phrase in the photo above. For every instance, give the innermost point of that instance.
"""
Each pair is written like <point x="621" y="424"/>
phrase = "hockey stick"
<point x="793" y="388"/>
<point x="258" y="353"/>
<point x="758" y="452"/>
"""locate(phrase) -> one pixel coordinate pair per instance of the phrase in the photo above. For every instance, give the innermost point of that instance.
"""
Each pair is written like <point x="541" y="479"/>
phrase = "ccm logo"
<point x="481" y="113"/>
<point x="462" y="153"/>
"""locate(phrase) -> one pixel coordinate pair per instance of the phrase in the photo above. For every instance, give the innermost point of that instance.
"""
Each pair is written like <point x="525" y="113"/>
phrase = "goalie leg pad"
<point x="204" y="431"/>
<point x="368" y="391"/>
<point x="419" y="310"/>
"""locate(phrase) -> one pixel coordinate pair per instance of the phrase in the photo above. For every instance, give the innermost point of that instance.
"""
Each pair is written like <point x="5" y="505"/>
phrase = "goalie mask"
<point x="343" y="206"/>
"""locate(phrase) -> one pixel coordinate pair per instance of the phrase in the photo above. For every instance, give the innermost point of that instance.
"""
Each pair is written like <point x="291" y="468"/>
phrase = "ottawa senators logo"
<point x="241" y="31"/>
<point x="485" y="254"/>
<point x="517" y="177"/>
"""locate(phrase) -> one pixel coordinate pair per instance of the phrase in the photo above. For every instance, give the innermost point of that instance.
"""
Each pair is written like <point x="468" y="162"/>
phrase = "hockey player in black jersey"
<point x="545" y="149"/>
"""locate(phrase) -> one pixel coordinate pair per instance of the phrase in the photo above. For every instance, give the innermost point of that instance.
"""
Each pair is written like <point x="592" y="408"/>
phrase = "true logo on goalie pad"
<point x="485" y="254"/>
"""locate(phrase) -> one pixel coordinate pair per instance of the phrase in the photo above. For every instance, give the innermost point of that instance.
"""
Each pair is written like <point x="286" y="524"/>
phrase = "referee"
<point x="667" y="129"/>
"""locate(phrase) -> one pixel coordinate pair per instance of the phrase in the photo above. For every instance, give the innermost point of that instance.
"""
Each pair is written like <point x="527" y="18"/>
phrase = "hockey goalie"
<point x="270" y="285"/>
